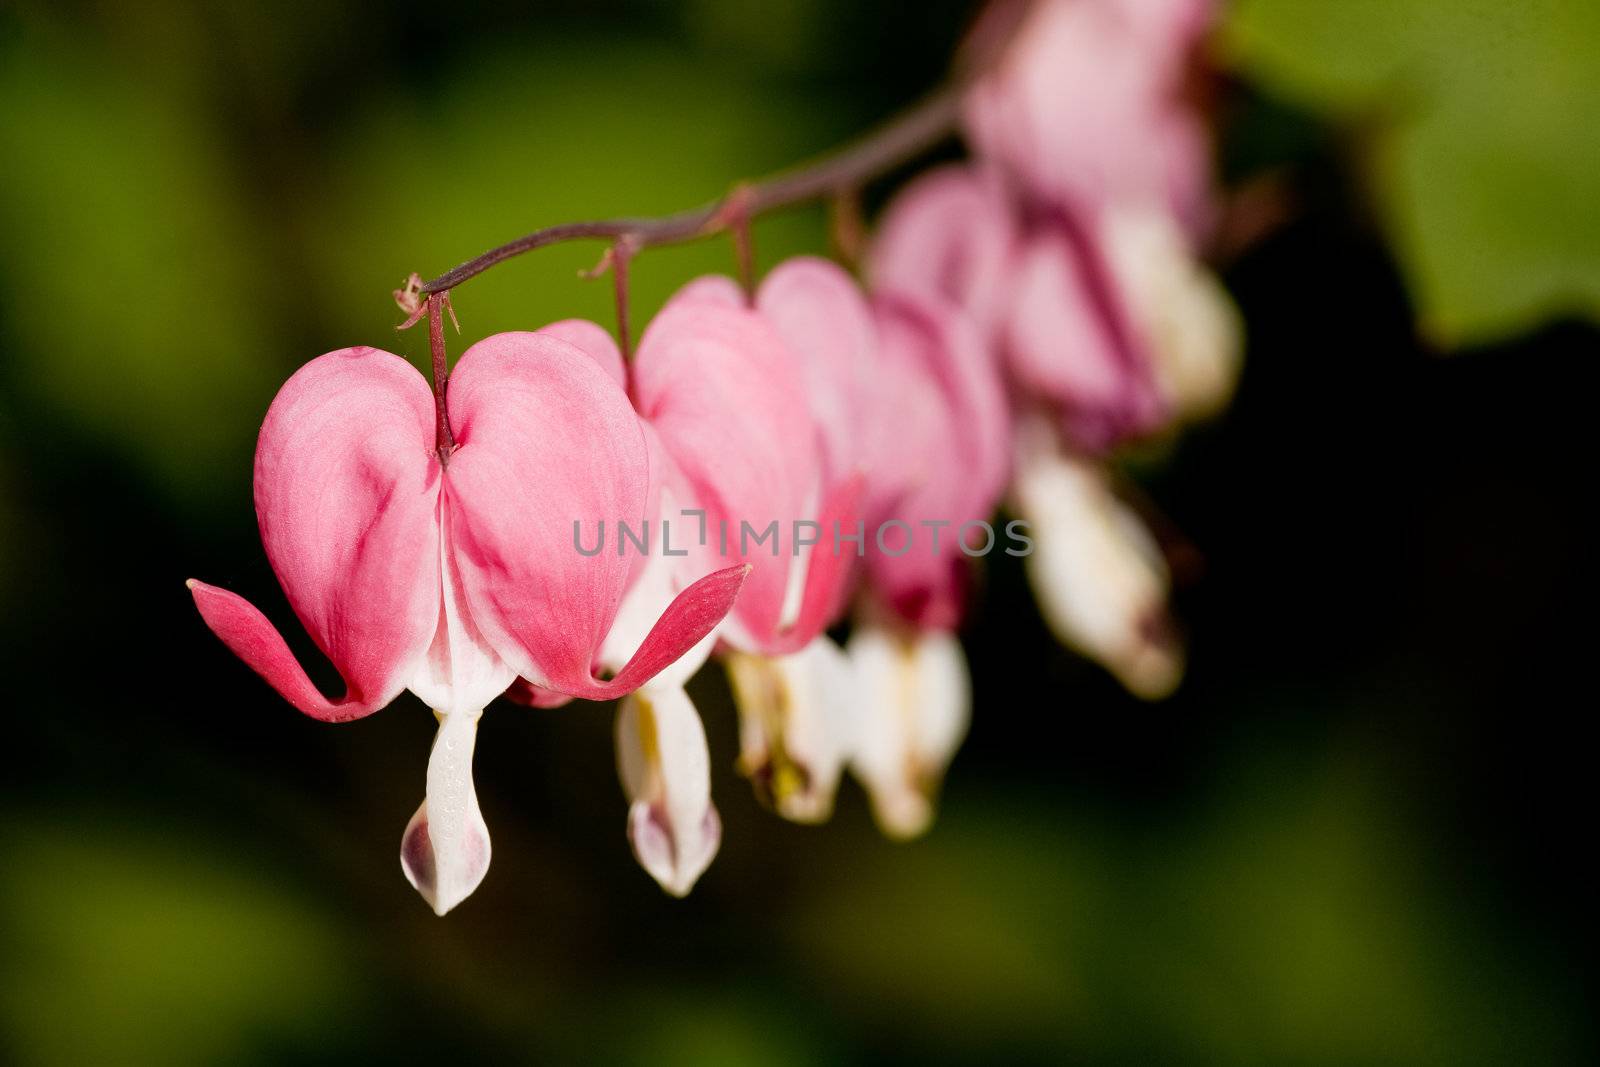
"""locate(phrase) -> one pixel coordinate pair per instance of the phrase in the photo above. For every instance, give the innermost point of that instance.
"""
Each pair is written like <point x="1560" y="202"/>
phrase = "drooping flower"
<point x="902" y="386"/>
<point x="909" y="393"/>
<point x="1090" y="364"/>
<point x="1071" y="242"/>
<point x="797" y="706"/>
<point x="736" y="464"/>
<point x="451" y="577"/>
<point x="1108" y="320"/>
<point x="1092" y="187"/>
<point x="938" y="454"/>
<point x="792" y="694"/>
<point x="904" y="399"/>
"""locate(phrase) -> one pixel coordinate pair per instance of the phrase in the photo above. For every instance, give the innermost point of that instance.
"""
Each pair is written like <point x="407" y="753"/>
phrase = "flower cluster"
<point x="1023" y="314"/>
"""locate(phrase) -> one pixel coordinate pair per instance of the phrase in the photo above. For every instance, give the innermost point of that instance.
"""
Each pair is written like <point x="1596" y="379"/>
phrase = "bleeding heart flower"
<point x="1045" y="295"/>
<point x="724" y="408"/>
<point x="1108" y="319"/>
<point x="1089" y="142"/>
<point x="796" y="707"/>
<point x="793" y="702"/>
<point x="904" y="385"/>
<point x="729" y="404"/>
<point x="451" y="578"/>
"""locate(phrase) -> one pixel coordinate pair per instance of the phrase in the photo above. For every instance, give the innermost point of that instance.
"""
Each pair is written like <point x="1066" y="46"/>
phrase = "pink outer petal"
<point x="826" y="324"/>
<point x="948" y="235"/>
<point x="347" y="492"/>
<point x="1078" y="109"/>
<point x="546" y="438"/>
<point x="730" y="407"/>
<point x="1071" y="340"/>
<point x="950" y="460"/>
<point x="716" y="288"/>
<point x="595" y="341"/>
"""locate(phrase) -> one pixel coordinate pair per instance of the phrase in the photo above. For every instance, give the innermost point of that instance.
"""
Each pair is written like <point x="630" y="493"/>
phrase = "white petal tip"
<point x="905" y="825"/>
<point x="808" y="811"/>
<point x="442" y="889"/>
<point x="675" y="861"/>
<point x="1151" y="667"/>
<point x="786" y="786"/>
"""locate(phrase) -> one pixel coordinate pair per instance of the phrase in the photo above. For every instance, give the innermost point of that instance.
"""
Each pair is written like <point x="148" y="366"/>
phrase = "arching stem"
<point x="897" y="142"/>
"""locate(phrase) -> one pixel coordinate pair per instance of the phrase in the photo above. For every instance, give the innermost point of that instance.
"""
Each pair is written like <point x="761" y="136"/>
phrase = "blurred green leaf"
<point x="1484" y="166"/>
<point x="697" y="1025"/>
<point x="133" y="946"/>
<point x="131" y="298"/>
<point x="1289" y="923"/>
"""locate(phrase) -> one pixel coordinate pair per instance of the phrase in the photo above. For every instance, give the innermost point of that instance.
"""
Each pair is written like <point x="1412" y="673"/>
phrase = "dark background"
<point x="1357" y="833"/>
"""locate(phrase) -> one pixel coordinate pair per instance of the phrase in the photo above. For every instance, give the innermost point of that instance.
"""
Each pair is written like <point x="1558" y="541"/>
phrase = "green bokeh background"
<point x="1352" y="837"/>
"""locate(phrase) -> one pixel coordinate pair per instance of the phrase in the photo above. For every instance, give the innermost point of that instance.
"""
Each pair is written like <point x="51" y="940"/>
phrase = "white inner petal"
<point x="445" y="849"/>
<point x="460" y="672"/>
<point x="1098" y="575"/>
<point x="916" y="702"/>
<point x="797" y="725"/>
<point x="666" y="772"/>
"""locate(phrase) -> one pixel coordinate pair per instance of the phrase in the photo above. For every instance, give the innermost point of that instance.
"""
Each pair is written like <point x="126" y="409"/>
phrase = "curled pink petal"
<point x="253" y="639"/>
<point x="692" y="615"/>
